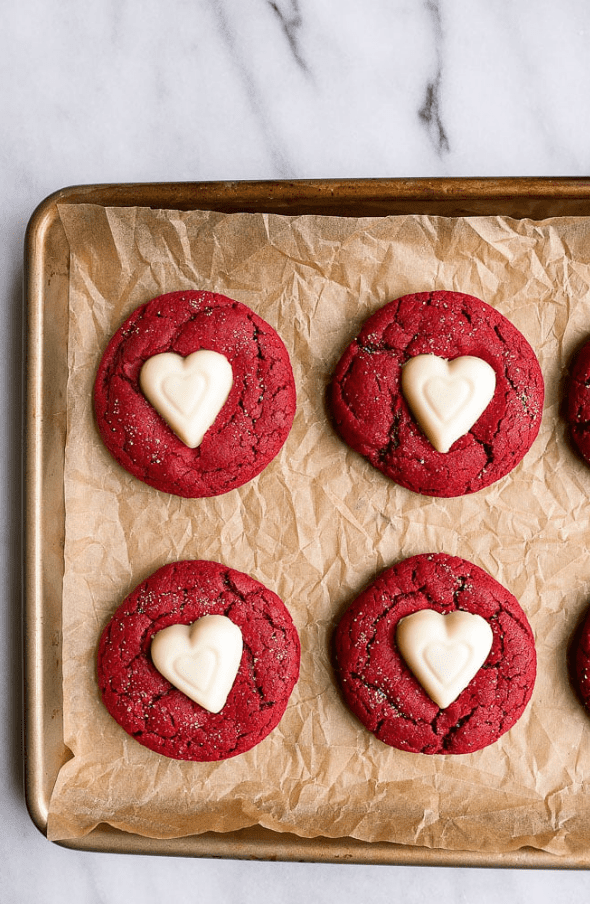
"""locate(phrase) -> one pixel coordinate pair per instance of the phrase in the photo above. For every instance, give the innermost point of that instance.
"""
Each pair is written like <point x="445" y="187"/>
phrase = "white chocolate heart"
<point x="201" y="660"/>
<point x="444" y="652"/>
<point x="447" y="397"/>
<point x="187" y="392"/>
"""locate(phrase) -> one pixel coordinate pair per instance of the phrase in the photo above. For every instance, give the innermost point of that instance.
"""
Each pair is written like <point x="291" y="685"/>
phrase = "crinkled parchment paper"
<point x="319" y="523"/>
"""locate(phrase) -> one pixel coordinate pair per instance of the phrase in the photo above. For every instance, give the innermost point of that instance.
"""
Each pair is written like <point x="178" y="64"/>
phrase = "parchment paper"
<point x="320" y="523"/>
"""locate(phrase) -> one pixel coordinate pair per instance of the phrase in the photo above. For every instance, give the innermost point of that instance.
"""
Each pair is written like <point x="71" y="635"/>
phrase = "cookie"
<point x="579" y="660"/>
<point x="227" y="653"/>
<point x="466" y="643"/>
<point x="577" y="409"/>
<point x="440" y="392"/>
<point x="194" y="394"/>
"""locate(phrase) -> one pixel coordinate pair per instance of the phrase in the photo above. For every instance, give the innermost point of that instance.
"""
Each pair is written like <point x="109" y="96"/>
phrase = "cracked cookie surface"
<point x="161" y="717"/>
<point x="372" y="416"/>
<point x="579" y="659"/>
<point x="250" y="428"/>
<point x="578" y="402"/>
<point x="383" y="693"/>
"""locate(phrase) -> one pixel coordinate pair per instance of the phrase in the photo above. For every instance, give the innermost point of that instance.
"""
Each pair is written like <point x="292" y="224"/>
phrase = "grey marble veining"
<point x="430" y="113"/>
<point x="224" y="89"/>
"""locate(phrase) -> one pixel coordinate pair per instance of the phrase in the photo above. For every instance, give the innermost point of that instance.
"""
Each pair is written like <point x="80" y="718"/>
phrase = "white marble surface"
<point x="142" y="90"/>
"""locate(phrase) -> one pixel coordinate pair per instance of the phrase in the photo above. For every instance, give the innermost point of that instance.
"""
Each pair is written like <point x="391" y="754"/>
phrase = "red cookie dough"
<point x="249" y="430"/>
<point x="161" y="717"/>
<point x="578" y="402"/>
<point x="579" y="660"/>
<point x="373" y="417"/>
<point x="383" y="693"/>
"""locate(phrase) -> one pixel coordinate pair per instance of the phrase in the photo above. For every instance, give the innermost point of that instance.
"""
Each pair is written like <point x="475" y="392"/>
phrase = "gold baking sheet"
<point x="46" y="263"/>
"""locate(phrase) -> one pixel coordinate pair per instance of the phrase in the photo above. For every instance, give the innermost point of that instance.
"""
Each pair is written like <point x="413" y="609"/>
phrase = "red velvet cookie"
<point x="579" y="660"/>
<point x="578" y="402"/>
<point x="381" y="688"/>
<point x="249" y="417"/>
<point x="446" y="332"/>
<point x="164" y="718"/>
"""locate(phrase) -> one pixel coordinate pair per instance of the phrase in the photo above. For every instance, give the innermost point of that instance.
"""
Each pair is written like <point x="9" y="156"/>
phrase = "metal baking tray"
<point x="46" y="264"/>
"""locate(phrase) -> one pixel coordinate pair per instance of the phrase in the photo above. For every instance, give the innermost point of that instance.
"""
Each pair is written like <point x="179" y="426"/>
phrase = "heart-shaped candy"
<point x="201" y="660"/>
<point x="187" y="392"/>
<point x="447" y="397"/>
<point x="444" y="652"/>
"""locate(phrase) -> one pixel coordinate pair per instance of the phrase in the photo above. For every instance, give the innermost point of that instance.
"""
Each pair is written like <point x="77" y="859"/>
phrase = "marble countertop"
<point x="193" y="90"/>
